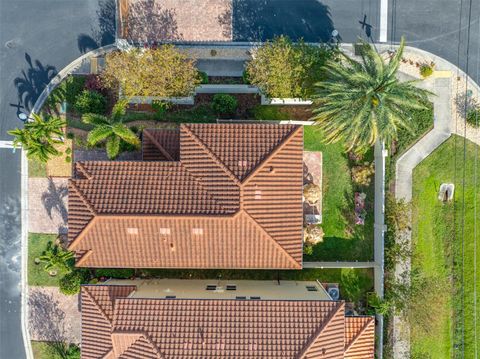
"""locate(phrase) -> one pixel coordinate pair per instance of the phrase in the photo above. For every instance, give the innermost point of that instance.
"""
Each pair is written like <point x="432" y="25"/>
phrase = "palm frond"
<point x="94" y="119"/>
<point x="126" y="134"/>
<point x="113" y="147"/>
<point x="99" y="134"/>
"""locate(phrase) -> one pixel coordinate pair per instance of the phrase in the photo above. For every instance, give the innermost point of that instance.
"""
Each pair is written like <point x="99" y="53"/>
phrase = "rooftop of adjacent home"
<point x="204" y="196"/>
<point x="185" y="319"/>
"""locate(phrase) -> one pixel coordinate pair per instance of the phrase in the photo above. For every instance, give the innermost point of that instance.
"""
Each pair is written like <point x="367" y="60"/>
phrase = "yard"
<point x="343" y="240"/>
<point x="437" y="236"/>
<point x="37" y="243"/>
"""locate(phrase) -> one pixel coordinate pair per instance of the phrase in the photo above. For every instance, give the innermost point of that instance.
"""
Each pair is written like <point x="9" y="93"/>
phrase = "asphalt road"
<point x="37" y="39"/>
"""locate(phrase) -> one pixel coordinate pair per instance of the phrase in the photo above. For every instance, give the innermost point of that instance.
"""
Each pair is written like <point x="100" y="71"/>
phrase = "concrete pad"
<point x="47" y="201"/>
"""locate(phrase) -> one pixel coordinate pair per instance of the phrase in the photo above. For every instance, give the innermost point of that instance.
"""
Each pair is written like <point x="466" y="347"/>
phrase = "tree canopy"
<point x="162" y="72"/>
<point x="281" y="68"/>
<point x="361" y="102"/>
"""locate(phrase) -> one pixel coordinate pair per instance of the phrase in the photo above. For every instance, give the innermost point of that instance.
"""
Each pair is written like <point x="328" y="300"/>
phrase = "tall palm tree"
<point x="39" y="137"/>
<point x="363" y="101"/>
<point x="111" y="129"/>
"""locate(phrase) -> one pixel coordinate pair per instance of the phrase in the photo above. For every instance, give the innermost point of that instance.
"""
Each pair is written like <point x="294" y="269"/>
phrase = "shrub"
<point x="224" y="104"/>
<point x="70" y="135"/>
<point x="203" y="77"/>
<point x="94" y="83"/>
<point x="245" y="77"/>
<point x="426" y="70"/>
<point x="312" y="193"/>
<point x="281" y="68"/>
<point x="162" y="72"/>
<point x="121" y="273"/>
<point x="313" y="234"/>
<point x="70" y="283"/>
<point x="73" y="86"/>
<point x="160" y="107"/>
<point x="473" y="117"/>
<point x="362" y="175"/>
<point x="90" y="102"/>
<point x="307" y="249"/>
<point x="269" y="113"/>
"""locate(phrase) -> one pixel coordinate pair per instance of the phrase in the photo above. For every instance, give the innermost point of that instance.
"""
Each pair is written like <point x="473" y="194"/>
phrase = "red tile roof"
<point x="220" y="328"/>
<point x="240" y="185"/>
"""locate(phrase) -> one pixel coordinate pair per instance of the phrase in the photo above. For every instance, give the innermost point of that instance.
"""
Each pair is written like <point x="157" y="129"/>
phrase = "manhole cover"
<point x="10" y="44"/>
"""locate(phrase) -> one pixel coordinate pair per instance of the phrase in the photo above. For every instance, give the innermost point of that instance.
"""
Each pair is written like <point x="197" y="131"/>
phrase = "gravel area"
<point x="47" y="201"/>
<point x="53" y="316"/>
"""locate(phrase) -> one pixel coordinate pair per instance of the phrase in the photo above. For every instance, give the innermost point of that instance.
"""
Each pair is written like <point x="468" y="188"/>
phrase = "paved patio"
<point x="53" y="316"/>
<point x="47" y="200"/>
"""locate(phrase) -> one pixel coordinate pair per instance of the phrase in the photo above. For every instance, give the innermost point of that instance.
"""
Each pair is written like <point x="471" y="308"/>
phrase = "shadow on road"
<point x="32" y="81"/>
<point x="104" y="33"/>
<point x="259" y="20"/>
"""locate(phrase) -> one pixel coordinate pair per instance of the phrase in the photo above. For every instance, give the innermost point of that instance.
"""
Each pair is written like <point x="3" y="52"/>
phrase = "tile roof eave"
<point x="257" y="169"/>
<point x="359" y="334"/>
<point x="99" y="307"/>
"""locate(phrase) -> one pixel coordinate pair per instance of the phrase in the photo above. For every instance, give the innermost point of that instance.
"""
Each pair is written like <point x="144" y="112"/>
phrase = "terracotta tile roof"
<point x="359" y="337"/>
<point x="196" y="328"/>
<point x="240" y="185"/>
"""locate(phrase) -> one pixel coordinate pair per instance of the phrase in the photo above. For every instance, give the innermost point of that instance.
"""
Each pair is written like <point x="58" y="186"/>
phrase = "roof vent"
<point x="272" y="169"/>
<point x="170" y="297"/>
<point x="165" y="231"/>
<point x="132" y="230"/>
<point x="258" y="194"/>
<point x="255" y="298"/>
<point x="240" y="297"/>
<point x="231" y="287"/>
<point x="211" y="287"/>
<point x="197" y="231"/>
<point x="242" y="163"/>
<point x="312" y="288"/>
<point x="172" y="247"/>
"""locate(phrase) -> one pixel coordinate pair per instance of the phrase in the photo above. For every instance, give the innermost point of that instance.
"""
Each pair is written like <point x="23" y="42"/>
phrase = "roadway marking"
<point x="383" y="20"/>
<point x="6" y="144"/>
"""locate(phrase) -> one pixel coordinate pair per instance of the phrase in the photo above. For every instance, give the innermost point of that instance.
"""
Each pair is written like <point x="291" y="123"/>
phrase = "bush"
<point x="269" y="113"/>
<point x="362" y="175"/>
<point x="312" y="193"/>
<point x="203" y="77"/>
<point x="426" y="70"/>
<point x="245" y="77"/>
<point x="121" y="273"/>
<point x="473" y="117"/>
<point x="67" y="91"/>
<point x="281" y="68"/>
<point x="94" y="83"/>
<point x="70" y="283"/>
<point x="90" y="102"/>
<point x="160" y="107"/>
<point x="224" y="104"/>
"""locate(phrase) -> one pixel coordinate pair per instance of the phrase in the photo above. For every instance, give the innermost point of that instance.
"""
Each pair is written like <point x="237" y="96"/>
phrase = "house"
<point x="204" y="196"/>
<point x="210" y="319"/>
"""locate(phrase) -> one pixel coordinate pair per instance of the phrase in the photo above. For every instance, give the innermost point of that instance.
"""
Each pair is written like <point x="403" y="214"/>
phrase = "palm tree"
<point x="363" y="101"/>
<point x="39" y="137"/>
<point x="111" y="129"/>
<point x="56" y="258"/>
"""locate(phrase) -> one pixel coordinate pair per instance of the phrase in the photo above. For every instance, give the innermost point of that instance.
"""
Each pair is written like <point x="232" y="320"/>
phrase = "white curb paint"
<point x="383" y="21"/>
<point x="6" y="144"/>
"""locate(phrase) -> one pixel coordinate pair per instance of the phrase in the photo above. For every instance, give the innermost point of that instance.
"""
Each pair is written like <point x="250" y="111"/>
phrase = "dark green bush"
<point x="269" y="113"/>
<point x="67" y="91"/>
<point x="70" y="283"/>
<point x="426" y="70"/>
<point x="160" y="107"/>
<point x="245" y="77"/>
<point x="90" y="102"/>
<point x="121" y="273"/>
<point x="203" y="77"/>
<point x="473" y="117"/>
<point x="224" y="104"/>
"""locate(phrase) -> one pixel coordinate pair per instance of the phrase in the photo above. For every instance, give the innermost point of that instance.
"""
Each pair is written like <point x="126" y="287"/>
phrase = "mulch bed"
<point x="225" y="80"/>
<point x="298" y="112"/>
<point x="246" y="101"/>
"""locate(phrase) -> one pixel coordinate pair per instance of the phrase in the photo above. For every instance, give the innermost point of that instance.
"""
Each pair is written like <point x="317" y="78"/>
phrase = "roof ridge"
<point x="356" y="337"/>
<point x="319" y="331"/>
<point x="211" y="154"/>
<point x="157" y="144"/>
<point x="80" y="194"/>
<point x="289" y="257"/>
<point x="99" y="307"/>
<point x="273" y="153"/>
<point x="140" y="334"/>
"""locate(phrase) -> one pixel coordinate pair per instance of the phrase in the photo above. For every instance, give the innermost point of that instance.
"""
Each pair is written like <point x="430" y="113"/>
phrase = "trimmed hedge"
<point x="120" y="273"/>
<point x="224" y="104"/>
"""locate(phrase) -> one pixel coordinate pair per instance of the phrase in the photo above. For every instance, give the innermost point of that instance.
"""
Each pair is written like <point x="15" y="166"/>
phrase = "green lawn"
<point x="48" y="350"/>
<point x="437" y="235"/>
<point x="37" y="243"/>
<point x="354" y="283"/>
<point x="343" y="239"/>
<point x="37" y="169"/>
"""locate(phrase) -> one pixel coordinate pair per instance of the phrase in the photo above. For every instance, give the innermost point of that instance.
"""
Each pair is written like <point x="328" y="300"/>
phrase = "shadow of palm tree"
<point x="53" y="199"/>
<point x="104" y="33"/>
<point x="46" y="319"/>
<point x="32" y="81"/>
<point x="260" y="20"/>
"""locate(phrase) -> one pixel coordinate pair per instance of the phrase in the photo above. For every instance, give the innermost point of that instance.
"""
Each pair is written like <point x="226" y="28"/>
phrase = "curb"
<point x="67" y="70"/>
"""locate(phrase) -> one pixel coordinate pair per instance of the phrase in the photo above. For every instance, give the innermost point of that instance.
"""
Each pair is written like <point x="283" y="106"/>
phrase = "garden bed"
<point x="246" y="102"/>
<point x="225" y="80"/>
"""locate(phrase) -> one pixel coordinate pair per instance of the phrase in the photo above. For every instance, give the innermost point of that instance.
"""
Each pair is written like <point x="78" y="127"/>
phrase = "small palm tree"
<point x="111" y="130"/>
<point x="362" y="102"/>
<point x="39" y="137"/>
<point x="56" y="258"/>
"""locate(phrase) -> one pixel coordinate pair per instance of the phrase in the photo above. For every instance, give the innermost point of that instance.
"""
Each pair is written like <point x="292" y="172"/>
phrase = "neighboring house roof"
<point x="114" y="326"/>
<point x="205" y="196"/>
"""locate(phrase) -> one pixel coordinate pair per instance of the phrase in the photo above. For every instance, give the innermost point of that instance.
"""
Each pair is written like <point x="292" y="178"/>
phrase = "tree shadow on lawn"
<point x="260" y="20"/>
